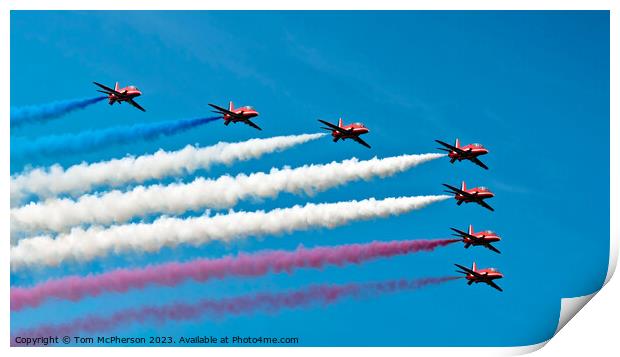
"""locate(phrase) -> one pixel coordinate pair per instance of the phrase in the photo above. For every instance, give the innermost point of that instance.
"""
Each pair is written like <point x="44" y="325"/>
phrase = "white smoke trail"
<point x="118" y="207"/>
<point x="78" y="179"/>
<point x="83" y="245"/>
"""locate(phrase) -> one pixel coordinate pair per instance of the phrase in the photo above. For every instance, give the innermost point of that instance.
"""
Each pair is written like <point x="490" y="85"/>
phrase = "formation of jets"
<point x="471" y="152"/>
<point x="340" y="131"/>
<point x="242" y="114"/>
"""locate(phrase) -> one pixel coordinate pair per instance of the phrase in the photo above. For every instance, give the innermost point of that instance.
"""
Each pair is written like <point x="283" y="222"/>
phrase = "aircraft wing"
<point x="457" y="190"/>
<point x="464" y="234"/>
<point x="250" y="123"/>
<point x="467" y="270"/>
<point x="453" y="148"/>
<point x="108" y="89"/>
<point x="132" y="102"/>
<point x="361" y="141"/>
<point x="489" y="246"/>
<point x="224" y="111"/>
<point x="485" y="205"/>
<point x="337" y="128"/>
<point x="492" y="284"/>
<point x="476" y="161"/>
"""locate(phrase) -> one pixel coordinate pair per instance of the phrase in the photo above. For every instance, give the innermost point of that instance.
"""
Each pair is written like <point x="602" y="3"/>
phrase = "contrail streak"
<point x="83" y="245"/>
<point x="96" y="139"/>
<point x="75" y="288"/>
<point x="77" y="179"/>
<point x="246" y="304"/>
<point x="43" y="112"/>
<point x="224" y="192"/>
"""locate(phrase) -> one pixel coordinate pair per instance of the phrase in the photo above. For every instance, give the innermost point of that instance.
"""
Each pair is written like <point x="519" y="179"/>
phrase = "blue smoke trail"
<point x="97" y="139"/>
<point x="43" y="112"/>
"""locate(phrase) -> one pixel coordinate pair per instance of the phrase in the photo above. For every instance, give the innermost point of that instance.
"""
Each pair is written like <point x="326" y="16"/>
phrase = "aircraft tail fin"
<point x="463" y="186"/>
<point x="473" y="266"/>
<point x="471" y="229"/>
<point x="340" y="122"/>
<point x="457" y="143"/>
<point x="116" y="87"/>
<point x="231" y="106"/>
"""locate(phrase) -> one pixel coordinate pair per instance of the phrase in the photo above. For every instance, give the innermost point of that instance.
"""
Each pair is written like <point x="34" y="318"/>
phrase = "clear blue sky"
<point x="531" y="86"/>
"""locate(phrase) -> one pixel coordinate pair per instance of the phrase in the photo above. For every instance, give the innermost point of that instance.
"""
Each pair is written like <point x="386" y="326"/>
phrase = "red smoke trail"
<point x="76" y="287"/>
<point x="271" y="302"/>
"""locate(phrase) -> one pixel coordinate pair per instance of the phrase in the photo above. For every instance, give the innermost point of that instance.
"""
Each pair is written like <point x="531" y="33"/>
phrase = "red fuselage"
<point x="476" y="150"/>
<point x="491" y="274"/>
<point x="127" y="93"/>
<point x="244" y="113"/>
<point x="483" y="237"/>
<point x="480" y="192"/>
<point x="356" y="129"/>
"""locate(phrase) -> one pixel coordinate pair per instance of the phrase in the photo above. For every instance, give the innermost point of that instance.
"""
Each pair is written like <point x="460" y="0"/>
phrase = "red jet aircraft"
<point x="351" y="131"/>
<point x="484" y="238"/>
<point x="242" y="114"/>
<point x="481" y="276"/>
<point x="118" y="95"/>
<point x="468" y="152"/>
<point x="477" y="194"/>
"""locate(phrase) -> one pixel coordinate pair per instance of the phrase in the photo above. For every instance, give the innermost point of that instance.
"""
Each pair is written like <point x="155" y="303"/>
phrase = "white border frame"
<point x="570" y="306"/>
